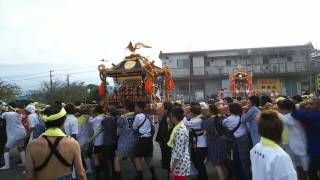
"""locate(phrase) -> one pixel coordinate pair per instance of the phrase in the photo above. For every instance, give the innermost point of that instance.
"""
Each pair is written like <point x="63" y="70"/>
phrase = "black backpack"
<point x="224" y="133"/>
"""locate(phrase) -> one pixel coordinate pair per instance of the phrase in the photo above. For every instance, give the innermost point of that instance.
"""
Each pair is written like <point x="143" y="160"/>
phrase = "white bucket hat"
<point x="30" y="108"/>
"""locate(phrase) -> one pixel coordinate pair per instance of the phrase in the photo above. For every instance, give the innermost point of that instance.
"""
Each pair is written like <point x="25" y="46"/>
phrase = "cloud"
<point x="81" y="32"/>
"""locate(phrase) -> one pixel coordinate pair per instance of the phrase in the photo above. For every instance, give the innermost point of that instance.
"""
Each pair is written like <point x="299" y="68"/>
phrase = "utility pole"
<point x="68" y="84"/>
<point x="51" y="76"/>
<point x="68" y="80"/>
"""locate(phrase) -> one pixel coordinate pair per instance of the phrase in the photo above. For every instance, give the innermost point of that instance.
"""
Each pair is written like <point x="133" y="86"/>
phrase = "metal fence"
<point x="276" y="68"/>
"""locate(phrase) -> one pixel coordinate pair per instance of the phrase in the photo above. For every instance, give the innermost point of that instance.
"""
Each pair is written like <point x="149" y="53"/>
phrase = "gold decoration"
<point x="136" y="46"/>
<point x="136" y="78"/>
<point x="129" y="64"/>
<point x="101" y="67"/>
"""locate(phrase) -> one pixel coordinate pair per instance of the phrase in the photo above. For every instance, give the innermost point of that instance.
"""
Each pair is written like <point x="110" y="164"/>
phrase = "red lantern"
<point x="102" y="89"/>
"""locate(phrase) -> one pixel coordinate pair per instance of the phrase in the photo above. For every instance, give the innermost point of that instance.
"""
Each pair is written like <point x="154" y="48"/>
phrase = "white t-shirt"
<point x="83" y="133"/>
<point x="71" y="125"/>
<point x="296" y="135"/>
<point x="231" y="122"/>
<point x="195" y="124"/>
<point x="145" y="129"/>
<point x="15" y="129"/>
<point x="96" y="126"/>
<point x="270" y="163"/>
<point x="33" y="120"/>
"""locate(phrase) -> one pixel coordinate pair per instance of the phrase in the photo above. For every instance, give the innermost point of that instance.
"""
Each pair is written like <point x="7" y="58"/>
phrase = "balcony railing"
<point x="315" y="66"/>
<point x="276" y="68"/>
<point x="180" y="72"/>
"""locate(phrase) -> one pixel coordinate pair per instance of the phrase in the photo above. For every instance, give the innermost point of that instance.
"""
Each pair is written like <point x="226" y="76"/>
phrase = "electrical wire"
<point x="81" y="72"/>
<point x="24" y="75"/>
<point x="85" y="80"/>
<point x="47" y="76"/>
<point x="30" y="78"/>
<point x="7" y="77"/>
<point x="75" y="68"/>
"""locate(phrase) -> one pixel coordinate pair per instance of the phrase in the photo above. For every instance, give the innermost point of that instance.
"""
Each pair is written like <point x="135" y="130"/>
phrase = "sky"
<point x="41" y="35"/>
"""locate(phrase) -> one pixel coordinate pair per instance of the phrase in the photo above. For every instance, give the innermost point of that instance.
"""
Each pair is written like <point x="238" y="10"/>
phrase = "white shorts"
<point x="12" y="143"/>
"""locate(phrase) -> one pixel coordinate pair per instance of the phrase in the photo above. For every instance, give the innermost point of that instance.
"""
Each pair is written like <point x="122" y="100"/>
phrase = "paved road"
<point x="128" y="173"/>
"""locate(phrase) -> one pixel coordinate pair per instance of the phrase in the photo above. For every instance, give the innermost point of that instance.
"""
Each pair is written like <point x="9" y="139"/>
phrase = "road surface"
<point x="128" y="172"/>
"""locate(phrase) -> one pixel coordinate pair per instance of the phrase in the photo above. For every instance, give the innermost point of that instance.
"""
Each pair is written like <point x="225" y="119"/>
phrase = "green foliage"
<point x="8" y="91"/>
<point x="93" y="92"/>
<point x="63" y="92"/>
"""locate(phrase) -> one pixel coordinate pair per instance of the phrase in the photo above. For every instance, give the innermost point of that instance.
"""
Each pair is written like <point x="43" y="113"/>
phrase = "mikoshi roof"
<point x="133" y="65"/>
<point x="138" y="62"/>
<point x="239" y="73"/>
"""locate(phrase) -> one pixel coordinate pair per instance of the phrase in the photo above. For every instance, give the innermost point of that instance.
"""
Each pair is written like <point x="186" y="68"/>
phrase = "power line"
<point x="24" y="75"/>
<point x="89" y="79"/>
<point x="93" y="81"/>
<point x="84" y="72"/>
<point x="39" y="77"/>
<point x="30" y="78"/>
<point x="75" y="68"/>
<point x="32" y="86"/>
<point x="81" y="72"/>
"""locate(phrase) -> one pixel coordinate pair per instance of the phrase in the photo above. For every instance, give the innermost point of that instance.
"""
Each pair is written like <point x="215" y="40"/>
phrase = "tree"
<point x="63" y="92"/>
<point x="93" y="92"/>
<point x="8" y="91"/>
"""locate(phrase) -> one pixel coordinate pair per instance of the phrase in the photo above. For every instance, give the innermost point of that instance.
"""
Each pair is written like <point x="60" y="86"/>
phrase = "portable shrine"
<point x="240" y="82"/>
<point x="137" y="79"/>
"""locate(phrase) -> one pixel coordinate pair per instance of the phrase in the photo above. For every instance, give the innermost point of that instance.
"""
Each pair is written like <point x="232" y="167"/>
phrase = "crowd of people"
<point x="258" y="137"/>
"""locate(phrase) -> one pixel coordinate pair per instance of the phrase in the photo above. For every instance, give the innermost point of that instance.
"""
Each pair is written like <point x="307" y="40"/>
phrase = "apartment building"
<point x="288" y="70"/>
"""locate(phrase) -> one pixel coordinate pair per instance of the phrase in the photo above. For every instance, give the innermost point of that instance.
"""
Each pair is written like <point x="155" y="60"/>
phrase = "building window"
<point x="265" y="60"/>
<point x="183" y="89"/>
<point x="250" y="61"/>
<point x="228" y="62"/>
<point x="273" y="56"/>
<point x="289" y="59"/>
<point x="206" y="63"/>
<point x="183" y="63"/>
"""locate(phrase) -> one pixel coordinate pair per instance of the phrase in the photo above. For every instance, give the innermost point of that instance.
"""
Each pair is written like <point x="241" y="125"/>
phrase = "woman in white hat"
<point x="32" y="118"/>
